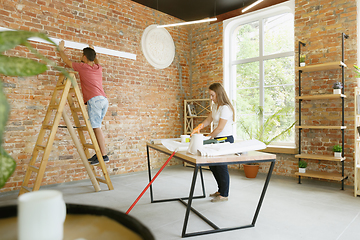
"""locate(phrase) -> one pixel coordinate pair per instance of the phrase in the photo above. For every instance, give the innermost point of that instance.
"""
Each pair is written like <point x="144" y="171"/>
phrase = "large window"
<point x="259" y="74"/>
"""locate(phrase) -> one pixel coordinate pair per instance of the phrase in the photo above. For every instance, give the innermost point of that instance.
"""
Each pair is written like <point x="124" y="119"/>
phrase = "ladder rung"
<point x="27" y="189"/>
<point x="41" y="147"/>
<point x="60" y="87"/>
<point x="87" y="145"/>
<point x="53" y="106"/>
<point x="76" y="109"/>
<point x="101" y="179"/>
<point x="48" y="127"/>
<point x="34" y="169"/>
<point x="83" y="128"/>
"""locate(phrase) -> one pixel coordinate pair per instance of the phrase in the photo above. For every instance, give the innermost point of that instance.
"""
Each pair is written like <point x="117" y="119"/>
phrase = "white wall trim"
<point x="81" y="46"/>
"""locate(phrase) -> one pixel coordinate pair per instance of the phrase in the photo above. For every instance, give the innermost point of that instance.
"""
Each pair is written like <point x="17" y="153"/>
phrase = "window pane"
<point x="279" y="71"/>
<point x="247" y="87"/>
<point x="247" y="41"/>
<point x="282" y="122"/>
<point x="279" y="93"/>
<point x="247" y="97"/>
<point x="279" y="34"/>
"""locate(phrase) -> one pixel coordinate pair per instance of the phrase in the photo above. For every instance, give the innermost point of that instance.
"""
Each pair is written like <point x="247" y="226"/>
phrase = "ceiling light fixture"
<point x="187" y="23"/>
<point x="252" y="5"/>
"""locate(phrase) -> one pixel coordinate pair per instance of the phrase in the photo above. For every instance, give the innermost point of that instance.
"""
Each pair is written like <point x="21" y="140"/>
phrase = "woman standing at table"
<point x="222" y="115"/>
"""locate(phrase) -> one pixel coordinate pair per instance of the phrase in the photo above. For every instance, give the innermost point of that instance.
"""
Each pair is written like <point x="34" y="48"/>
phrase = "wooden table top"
<point x="250" y="157"/>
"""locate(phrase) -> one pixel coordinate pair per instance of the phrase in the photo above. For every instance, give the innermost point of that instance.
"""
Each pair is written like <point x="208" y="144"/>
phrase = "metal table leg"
<point x="216" y="228"/>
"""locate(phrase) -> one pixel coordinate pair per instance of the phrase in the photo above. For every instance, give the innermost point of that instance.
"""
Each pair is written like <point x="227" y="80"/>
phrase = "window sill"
<point x="281" y="149"/>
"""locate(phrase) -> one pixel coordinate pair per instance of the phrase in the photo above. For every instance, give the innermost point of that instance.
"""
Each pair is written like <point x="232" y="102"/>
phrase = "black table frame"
<point x="197" y="168"/>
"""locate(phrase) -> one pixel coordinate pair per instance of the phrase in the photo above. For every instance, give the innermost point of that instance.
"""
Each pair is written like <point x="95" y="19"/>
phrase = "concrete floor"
<point x="312" y="210"/>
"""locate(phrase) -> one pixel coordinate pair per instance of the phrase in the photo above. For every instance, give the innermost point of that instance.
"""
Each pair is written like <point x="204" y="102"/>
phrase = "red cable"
<point x="157" y="174"/>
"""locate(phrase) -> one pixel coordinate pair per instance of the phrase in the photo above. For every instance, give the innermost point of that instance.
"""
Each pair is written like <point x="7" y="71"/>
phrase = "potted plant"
<point x="264" y="132"/>
<point x="302" y="166"/>
<point x="302" y="60"/>
<point x="17" y="66"/>
<point x="337" y="87"/>
<point x="251" y="170"/>
<point x="337" y="149"/>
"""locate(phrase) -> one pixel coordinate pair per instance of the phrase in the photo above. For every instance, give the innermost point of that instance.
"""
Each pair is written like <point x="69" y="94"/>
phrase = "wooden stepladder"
<point x="66" y="91"/>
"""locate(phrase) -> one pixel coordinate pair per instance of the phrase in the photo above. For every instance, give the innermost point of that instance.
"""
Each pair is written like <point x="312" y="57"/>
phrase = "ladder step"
<point x="87" y="145"/>
<point x="41" y="147"/>
<point x="53" y="106"/>
<point x="76" y="109"/>
<point x="83" y="128"/>
<point x="60" y="87"/>
<point x="27" y="189"/>
<point x="47" y="127"/>
<point x="34" y="169"/>
<point x="101" y="179"/>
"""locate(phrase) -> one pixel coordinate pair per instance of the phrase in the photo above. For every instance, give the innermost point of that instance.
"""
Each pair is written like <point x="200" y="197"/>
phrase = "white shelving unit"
<point x="357" y="143"/>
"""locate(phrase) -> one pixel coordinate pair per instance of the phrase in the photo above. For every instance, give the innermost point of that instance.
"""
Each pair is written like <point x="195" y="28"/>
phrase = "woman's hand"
<point x="197" y="129"/>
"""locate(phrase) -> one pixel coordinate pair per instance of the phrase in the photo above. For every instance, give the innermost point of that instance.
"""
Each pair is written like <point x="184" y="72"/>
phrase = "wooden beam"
<point x="237" y="12"/>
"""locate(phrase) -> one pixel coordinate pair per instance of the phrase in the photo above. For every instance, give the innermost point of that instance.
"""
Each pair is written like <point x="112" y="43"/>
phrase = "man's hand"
<point x="62" y="45"/>
<point x="63" y="55"/>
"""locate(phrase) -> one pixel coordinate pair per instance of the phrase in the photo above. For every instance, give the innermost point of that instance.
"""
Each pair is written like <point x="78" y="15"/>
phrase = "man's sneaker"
<point x="93" y="158"/>
<point x="106" y="158"/>
<point x="96" y="161"/>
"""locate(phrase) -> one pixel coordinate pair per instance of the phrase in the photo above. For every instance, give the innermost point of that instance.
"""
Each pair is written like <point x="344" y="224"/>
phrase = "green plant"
<point x="266" y="132"/>
<point x="357" y="70"/>
<point x="337" y="148"/>
<point x="17" y="66"/>
<point x="302" y="164"/>
<point x="302" y="58"/>
<point x="337" y="85"/>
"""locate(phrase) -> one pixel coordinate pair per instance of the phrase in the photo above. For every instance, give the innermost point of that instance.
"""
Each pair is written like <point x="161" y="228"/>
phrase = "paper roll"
<point x="196" y="143"/>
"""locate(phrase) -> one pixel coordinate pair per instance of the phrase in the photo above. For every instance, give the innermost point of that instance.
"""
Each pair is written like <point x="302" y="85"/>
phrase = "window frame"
<point x="229" y="71"/>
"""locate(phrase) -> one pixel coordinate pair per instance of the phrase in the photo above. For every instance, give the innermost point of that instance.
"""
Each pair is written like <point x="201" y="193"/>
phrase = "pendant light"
<point x="252" y="5"/>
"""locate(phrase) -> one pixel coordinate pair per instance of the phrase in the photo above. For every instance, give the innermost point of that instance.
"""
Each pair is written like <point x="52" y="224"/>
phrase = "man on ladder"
<point x="94" y="96"/>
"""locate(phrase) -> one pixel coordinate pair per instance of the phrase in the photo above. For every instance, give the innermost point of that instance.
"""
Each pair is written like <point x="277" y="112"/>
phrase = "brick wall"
<point x="320" y="25"/>
<point x="145" y="103"/>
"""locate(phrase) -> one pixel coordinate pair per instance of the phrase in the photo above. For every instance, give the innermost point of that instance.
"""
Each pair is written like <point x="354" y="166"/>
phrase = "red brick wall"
<point x="320" y="24"/>
<point x="145" y="103"/>
<point x="206" y="57"/>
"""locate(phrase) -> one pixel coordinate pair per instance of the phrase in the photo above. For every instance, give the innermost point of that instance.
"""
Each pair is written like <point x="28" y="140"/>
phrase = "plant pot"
<point x="302" y="170"/>
<point x="337" y="154"/>
<point x="302" y="64"/>
<point x="251" y="170"/>
<point x="337" y="91"/>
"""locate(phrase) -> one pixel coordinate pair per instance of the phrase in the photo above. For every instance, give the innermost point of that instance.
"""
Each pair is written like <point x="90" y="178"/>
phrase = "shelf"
<point x="196" y="116"/>
<point x="321" y="67"/>
<point x="322" y="175"/>
<point x="322" y="127"/>
<point x="320" y="157"/>
<point x="321" y="96"/>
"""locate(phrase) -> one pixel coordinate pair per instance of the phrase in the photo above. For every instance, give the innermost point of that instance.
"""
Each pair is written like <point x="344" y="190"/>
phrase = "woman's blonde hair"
<point x="221" y="96"/>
